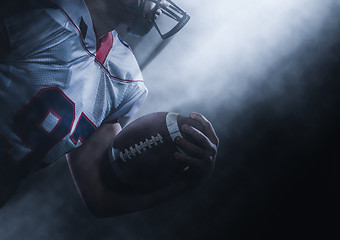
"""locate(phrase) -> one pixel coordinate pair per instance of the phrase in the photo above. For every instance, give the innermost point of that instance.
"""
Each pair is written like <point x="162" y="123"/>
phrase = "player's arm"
<point x="4" y="41"/>
<point x="85" y="165"/>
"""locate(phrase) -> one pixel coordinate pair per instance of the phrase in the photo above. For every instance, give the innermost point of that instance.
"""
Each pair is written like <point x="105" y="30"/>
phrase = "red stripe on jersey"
<point x="84" y="45"/>
<point x="105" y="47"/>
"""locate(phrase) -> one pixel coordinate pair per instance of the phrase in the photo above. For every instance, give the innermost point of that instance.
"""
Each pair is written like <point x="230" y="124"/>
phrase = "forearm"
<point x="85" y="164"/>
<point x="121" y="203"/>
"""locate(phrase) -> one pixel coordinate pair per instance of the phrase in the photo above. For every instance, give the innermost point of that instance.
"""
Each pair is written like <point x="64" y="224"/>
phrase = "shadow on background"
<point x="276" y="174"/>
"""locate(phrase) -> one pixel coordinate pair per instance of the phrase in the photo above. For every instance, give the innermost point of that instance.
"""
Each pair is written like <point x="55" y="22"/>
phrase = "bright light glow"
<point x="226" y="46"/>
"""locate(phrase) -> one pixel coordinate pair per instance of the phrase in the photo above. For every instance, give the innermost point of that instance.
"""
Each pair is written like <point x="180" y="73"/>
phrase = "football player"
<point x="69" y="84"/>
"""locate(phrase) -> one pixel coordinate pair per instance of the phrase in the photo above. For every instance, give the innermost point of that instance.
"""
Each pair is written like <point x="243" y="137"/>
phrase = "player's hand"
<point x="200" y="154"/>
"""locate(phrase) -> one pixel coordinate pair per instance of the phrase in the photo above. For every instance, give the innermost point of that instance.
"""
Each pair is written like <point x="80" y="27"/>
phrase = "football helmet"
<point x="144" y="21"/>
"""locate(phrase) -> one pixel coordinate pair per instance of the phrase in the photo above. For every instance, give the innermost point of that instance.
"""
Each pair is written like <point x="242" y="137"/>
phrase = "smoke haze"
<point x="265" y="74"/>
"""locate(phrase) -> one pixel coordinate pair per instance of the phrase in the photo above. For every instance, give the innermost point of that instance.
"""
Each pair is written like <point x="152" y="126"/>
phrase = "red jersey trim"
<point x="100" y="63"/>
<point x="105" y="47"/>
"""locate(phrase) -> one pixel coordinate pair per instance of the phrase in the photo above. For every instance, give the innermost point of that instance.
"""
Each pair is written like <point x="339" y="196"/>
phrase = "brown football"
<point x="143" y="152"/>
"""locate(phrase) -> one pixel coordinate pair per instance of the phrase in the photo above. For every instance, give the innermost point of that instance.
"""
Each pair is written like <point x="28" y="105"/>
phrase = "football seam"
<point x="129" y="152"/>
<point x="126" y="154"/>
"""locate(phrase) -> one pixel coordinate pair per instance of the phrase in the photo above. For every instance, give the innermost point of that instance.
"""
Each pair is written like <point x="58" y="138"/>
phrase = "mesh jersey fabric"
<point x="55" y="91"/>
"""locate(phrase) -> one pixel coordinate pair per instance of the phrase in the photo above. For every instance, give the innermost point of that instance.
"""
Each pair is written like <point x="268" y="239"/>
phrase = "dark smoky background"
<point x="266" y="74"/>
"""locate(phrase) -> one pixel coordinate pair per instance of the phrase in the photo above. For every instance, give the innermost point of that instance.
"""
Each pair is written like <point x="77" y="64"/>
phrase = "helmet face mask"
<point x="144" y="21"/>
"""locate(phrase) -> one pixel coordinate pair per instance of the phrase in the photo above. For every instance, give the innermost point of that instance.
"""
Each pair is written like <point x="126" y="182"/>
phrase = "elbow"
<point x="102" y="213"/>
<point x="105" y="207"/>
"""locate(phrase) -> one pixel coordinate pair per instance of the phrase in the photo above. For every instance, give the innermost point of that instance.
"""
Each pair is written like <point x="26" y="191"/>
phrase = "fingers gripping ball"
<point x="142" y="154"/>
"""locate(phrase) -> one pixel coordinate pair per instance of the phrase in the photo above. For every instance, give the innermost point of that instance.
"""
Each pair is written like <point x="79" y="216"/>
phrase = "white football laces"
<point x="141" y="147"/>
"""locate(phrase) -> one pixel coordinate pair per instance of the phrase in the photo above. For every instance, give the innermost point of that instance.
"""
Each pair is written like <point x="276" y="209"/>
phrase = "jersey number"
<point x="45" y="121"/>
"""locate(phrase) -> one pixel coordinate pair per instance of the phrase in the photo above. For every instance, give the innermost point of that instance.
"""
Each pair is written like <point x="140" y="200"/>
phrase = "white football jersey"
<point x="57" y="86"/>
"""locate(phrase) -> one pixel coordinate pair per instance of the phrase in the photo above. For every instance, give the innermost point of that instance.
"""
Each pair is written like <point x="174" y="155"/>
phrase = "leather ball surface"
<point x="143" y="152"/>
